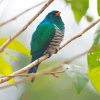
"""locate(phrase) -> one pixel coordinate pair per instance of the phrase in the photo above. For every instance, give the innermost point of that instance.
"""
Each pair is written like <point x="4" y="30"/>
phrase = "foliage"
<point x="16" y="45"/>
<point x="77" y="76"/>
<point x="98" y="6"/>
<point x="5" y="67"/>
<point x="94" y="62"/>
<point x="51" y="88"/>
<point x="89" y="18"/>
<point x="80" y="7"/>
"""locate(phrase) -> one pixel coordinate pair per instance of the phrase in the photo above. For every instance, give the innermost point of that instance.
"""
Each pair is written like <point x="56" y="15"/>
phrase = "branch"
<point x="76" y="57"/>
<point x="33" y="74"/>
<point x="53" y="71"/>
<point x="22" y="13"/>
<point x="38" y="74"/>
<point x="81" y="33"/>
<point x="38" y="61"/>
<point x="25" y="27"/>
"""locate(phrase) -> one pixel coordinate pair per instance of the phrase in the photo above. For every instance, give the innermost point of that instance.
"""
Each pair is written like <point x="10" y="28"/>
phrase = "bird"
<point x="47" y="37"/>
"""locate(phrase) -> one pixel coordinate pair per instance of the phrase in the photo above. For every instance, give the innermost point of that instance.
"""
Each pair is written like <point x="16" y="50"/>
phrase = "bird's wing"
<point x="42" y="37"/>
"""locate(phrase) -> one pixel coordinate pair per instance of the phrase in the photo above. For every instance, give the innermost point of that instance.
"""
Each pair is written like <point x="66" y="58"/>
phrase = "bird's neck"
<point x="60" y="25"/>
<point x="58" y="22"/>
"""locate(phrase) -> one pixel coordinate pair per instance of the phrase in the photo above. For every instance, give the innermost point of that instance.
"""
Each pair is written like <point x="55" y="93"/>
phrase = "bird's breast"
<point x="56" y="41"/>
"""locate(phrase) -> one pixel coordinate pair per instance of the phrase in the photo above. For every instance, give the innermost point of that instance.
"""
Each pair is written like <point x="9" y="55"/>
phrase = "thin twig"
<point x="20" y="75"/>
<point x="52" y="71"/>
<point x="20" y="14"/>
<point x="68" y="61"/>
<point x="81" y="33"/>
<point x="25" y="27"/>
<point x="26" y="68"/>
<point x="27" y="75"/>
<point x="76" y="57"/>
<point x="38" y="74"/>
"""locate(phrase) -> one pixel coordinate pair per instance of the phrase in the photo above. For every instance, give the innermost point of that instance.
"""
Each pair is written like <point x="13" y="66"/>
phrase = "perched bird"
<point x="47" y="37"/>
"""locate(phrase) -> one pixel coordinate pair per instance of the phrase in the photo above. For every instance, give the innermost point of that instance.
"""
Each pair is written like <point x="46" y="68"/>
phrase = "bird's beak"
<point x="57" y="14"/>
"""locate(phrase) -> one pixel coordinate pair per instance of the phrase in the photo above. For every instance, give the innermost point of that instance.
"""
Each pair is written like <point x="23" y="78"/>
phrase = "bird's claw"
<point x="56" y="50"/>
<point x="49" y="54"/>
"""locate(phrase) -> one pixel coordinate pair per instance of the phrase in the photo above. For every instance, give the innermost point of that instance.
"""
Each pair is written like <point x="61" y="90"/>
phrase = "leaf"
<point x="16" y="45"/>
<point x="77" y="76"/>
<point x="16" y="59"/>
<point x="68" y="1"/>
<point x="89" y="18"/>
<point x="98" y="7"/>
<point x="79" y="8"/>
<point x="94" y="62"/>
<point x="5" y="69"/>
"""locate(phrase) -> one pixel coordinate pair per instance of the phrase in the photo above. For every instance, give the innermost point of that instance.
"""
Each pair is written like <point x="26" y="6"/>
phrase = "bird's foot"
<point x="56" y="50"/>
<point x="49" y="54"/>
<point x="52" y="51"/>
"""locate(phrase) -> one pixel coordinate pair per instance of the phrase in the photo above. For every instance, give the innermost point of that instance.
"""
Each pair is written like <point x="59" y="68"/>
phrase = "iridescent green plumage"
<point x="43" y="36"/>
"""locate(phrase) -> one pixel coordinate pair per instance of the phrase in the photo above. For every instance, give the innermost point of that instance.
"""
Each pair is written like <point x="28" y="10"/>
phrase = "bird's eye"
<point x="57" y="14"/>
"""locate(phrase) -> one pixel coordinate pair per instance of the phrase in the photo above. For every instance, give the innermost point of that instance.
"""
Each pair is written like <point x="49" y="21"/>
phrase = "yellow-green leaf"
<point x="77" y="76"/>
<point x="94" y="62"/>
<point x="16" y="45"/>
<point x="5" y="69"/>
<point x="79" y="8"/>
<point x="94" y="76"/>
<point x="98" y="7"/>
<point x="89" y="18"/>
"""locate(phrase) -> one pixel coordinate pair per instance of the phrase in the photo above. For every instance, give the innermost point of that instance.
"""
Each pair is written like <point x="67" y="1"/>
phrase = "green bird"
<point x="47" y="37"/>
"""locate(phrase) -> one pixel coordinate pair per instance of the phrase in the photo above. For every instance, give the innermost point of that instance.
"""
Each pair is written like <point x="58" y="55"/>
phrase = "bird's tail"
<point x="33" y="69"/>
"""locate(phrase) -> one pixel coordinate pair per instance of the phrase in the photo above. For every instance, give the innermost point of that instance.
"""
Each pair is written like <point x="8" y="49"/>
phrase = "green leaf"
<point x="89" y="18"/>
<point x="79" y="8"/>
<point x="77" y="76"/>
<point x="16" y="45"/>
<point x="98" y="7"/>
<point x="5" y="69"/>
<point x="68" y="1"/>
<point x="94" y="62"/>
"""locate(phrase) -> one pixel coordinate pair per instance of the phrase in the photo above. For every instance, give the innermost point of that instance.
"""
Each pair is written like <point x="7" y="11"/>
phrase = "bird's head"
<point x="53" y="16"/>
